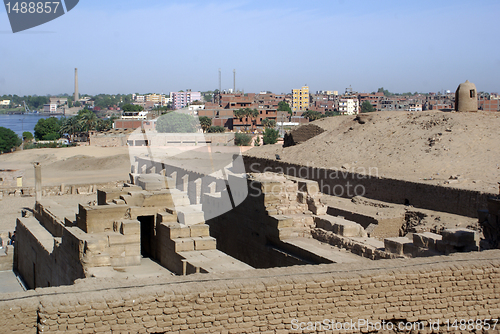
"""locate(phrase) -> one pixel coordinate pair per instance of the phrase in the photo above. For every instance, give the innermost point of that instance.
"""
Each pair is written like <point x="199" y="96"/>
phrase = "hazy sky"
<point x="161" y="46"/>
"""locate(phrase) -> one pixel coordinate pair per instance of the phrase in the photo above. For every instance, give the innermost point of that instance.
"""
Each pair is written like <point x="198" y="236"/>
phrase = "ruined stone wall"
<point x="65" y="189"/>
<point x="462" y="286"/>
<point x="45" y="261"/>
<point x="332" y="182"/>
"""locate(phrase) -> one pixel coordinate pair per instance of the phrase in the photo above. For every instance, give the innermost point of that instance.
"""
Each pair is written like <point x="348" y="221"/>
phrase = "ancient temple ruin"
<point x="167" y="220"/>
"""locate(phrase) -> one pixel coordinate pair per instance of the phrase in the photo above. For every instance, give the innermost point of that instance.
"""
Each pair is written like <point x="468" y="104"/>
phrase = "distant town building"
<point x="300" y="99"/>
<point x="138" y="98"/>
<point x="348" y="106"/>
<point x="415" y="107"/>
<point x="4" y="102"/>
<point x="59" y="100"/>
<point x="50" y="108"/>
<point x="182" y="99"/>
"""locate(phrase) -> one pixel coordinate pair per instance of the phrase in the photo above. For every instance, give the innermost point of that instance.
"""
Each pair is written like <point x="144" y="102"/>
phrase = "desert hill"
<point x="452" y="149"/>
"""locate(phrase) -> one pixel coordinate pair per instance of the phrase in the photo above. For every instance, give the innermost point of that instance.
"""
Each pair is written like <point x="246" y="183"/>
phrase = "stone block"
<point x="340" y="226"/>
<point x="133" y="178"/>
<point x="125" y="261"/>
<point x="280" y="221"/>
<point x="199" y="230"/>
<point x="190" y="216"/>
<point x="426" y="240"/>
<point x="94" y="219"/>
<point x="204" y="243"/>
<point x="460" y="237"/>
<point x="270" y="187"/>
<point x="133" y="249"/>
<point x="176" y="231"/>
<point x="151" y="182"/>
<point x="128" y="227"/>
<point x="166" y="217"/>
<point x="308" y="186"/>
<point x="133" y="198"/>
<point x="183" y="245"/>
<point x="398" y="245"/>
<point x="302" y="197"/>
<point x="316" y="207"/>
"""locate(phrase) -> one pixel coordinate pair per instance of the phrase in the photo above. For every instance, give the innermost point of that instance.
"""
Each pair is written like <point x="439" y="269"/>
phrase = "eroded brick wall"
<point x="461" y="286"/>
<point x="334" y="182"/>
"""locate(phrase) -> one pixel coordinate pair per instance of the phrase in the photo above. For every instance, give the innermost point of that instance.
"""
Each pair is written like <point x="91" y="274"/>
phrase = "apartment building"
<point x="300" y="99"/>
<point x="182" y="99"/>
<point x="349" y="105"/>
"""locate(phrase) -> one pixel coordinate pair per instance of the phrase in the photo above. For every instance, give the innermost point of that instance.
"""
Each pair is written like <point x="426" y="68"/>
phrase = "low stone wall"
<point x="433" y="197"/>
<point x="64" y="189"/>
<point x="417" y="292"/>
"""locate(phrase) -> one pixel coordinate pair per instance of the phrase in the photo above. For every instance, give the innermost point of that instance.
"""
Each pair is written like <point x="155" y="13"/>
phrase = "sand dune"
<point x="428" y="147"/>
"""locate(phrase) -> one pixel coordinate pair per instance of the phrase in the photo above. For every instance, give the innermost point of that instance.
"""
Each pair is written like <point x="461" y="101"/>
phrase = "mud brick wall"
<point x="420" y="195"/>
<point x="56" y="190"/>
<point x="461" y="286"/>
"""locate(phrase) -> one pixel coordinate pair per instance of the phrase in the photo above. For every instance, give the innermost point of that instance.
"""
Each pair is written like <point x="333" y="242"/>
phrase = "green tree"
<point x="216" y="129"/>
<point x="366" y="106"/>
<point x="256" y="141"/>
<point x="27" y="136"/>
<point x="385" y="91"/>
<point x="270" y="136"/>
<point x="242" y="139"/>
<point x="269" y="123"/>
<point x="253" y="114"/>
<point x="205" y="123"/>
<point x="175" y="122"/>
<point x="77" y="104"/>
<point x="8" y="140"/>
<point x="313" y="115"/>
<point x="70" y="126"/>
<point x="87" y="120"/>
<point x="46" y="126"/>
<point x="246" y="113"/>
<point x="332" y="113"/>
<point x="283" y="106"/>
<point x="132" y="107"/>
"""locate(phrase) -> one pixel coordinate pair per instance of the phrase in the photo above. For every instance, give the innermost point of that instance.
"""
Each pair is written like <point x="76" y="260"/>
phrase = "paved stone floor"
<point x="9" y="282"/>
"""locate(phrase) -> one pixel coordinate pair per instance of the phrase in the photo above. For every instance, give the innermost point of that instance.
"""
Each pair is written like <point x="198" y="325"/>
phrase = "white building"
<point x="193" y="109"/>
<point x="349" y="106"/>
<point x="4" y="102"/>
<point x="415" y="107"/>
<point x="138" y="98"/>
<point x="50" y="108"/>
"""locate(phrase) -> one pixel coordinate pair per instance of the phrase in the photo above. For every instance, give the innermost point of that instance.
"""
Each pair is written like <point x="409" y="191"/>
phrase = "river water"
<point x="21" y="123"/>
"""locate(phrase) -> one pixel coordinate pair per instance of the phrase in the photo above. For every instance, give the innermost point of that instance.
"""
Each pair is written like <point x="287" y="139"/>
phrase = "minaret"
<point x="234" y="81"/>
<point x="77" y="96"/>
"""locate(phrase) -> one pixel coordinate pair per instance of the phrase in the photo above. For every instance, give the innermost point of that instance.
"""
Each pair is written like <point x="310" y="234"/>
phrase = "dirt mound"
<point x="87" y="163"/>
<point x="450" y="149"/>
<point x="302" y="134"/>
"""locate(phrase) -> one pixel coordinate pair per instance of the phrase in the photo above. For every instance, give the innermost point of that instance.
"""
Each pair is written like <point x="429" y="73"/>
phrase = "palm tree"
<point x="205" y="123"/>
<point x="253" y="114"/>
<point x="88" y="120"/>
<point x="70" y="126"/>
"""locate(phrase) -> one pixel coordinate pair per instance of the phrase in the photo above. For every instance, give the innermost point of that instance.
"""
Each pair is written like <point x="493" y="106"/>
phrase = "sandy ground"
<point x="73" y="165"/>
<point x="11" y="207"/>
<point x="451" y="149"/>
